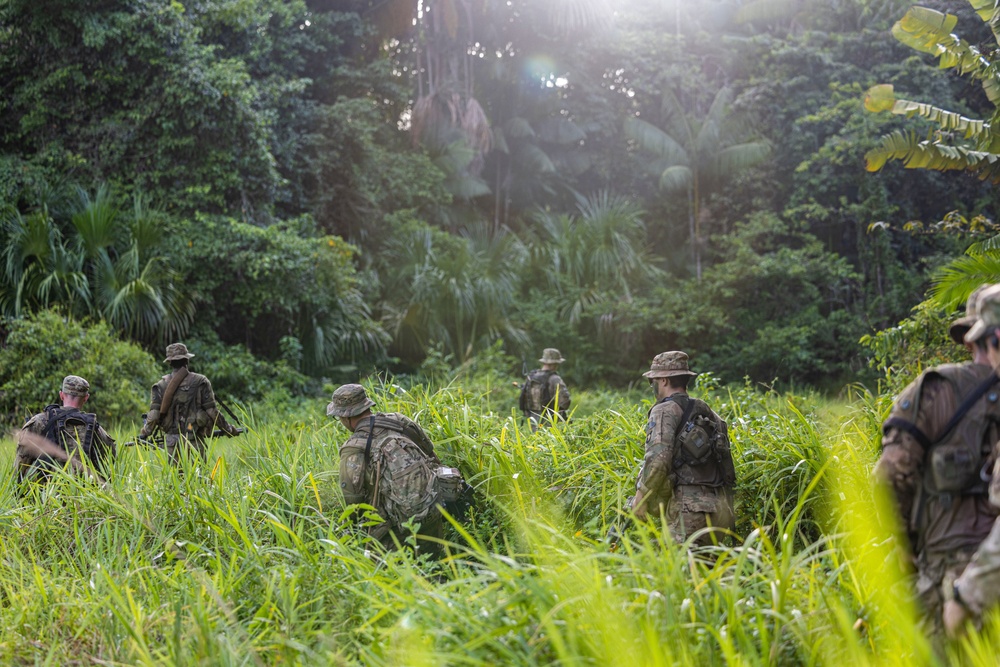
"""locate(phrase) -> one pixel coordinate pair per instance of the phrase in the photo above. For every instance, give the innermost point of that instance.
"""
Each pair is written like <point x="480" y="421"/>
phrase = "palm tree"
<point x="100" y="262"/>
<point x="595" y="257"/>
<point x="696" y="155"/>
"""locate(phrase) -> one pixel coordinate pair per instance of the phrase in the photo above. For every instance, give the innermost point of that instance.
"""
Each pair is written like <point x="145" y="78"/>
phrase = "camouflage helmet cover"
<point x="349" y="400"/>
<point x="988" y="308"/>
<point x="669" y="364"/>
<point x="551" y="355"/>
<point x="961" y="326"/>
<point x="176" y="351"/>
<point x="74" y="385"/>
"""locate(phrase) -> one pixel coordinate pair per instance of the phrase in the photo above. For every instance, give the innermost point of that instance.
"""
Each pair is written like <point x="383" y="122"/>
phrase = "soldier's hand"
<point x="954" y="616"/>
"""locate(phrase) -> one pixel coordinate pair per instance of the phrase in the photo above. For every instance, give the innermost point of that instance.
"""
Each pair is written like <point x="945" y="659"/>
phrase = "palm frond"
<point x="954" y="282"/>
<point x="931" y="154"/>
<point x="676" y="178"/>
<point x="654" y="140"/>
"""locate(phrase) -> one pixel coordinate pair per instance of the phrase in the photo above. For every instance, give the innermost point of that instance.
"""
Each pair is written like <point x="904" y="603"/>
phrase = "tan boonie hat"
<point x="961" y="326"/>
<point x="349" y="400"/>
<point x="74" y="385"/>
<point x="551" y="355"/>
<point x="668" y="364"/>
<point x="988" y="307"/>
<point x="176" y="351"/>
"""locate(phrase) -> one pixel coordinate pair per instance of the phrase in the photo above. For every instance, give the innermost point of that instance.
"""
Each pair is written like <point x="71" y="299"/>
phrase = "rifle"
<point x="238" y="430"/>
<point x="159" y="441"/>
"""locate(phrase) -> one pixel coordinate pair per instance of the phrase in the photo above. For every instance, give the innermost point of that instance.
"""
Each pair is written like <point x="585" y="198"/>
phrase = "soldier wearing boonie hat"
<point x="375" y="439"/>
<point x="977" y="589"/>
<point x="687" y="474"/>
<point x="944" y="507"/>
<point x="66" y="433"/>
<point x="544" y="397"/>
<point x="183" y="407"/>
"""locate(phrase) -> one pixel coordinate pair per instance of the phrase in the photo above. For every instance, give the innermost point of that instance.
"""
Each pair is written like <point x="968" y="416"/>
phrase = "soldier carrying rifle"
<point x="183" y="407"/>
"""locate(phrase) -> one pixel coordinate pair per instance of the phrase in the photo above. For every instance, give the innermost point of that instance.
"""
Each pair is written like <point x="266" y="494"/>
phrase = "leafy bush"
<point x="42" y="349"/>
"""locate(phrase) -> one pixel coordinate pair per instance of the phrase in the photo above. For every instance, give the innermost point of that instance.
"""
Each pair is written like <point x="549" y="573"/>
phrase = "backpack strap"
<point x="963" y="409"/>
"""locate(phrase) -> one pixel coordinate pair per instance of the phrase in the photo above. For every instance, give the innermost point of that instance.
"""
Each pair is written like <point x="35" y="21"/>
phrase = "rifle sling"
<point x="368" y="451"/>
<point x="168" y="394"/>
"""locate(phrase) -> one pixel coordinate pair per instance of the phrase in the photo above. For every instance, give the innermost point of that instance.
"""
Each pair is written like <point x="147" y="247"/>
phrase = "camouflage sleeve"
<point x="900" y="466"/>
<point x="352" y="468"/>
<point x="105" y="446"/>
<point x="560" y="394"/>
<point x="153" y="416"/>
<point x="22" y="457"/>
<point x="657" y="463"/>
<point x="979" y="584"/>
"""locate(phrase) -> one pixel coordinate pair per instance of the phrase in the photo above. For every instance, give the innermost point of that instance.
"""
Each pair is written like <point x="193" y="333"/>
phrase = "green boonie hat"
<point x="988" y="307"/>
<point x="961" y="326"/>
<point x="551" y="355"/>
<point x="349" y="400"/>
<point x="74" y="385"/>
<point x="669" y="364"/>
<point x="177" y="351"/>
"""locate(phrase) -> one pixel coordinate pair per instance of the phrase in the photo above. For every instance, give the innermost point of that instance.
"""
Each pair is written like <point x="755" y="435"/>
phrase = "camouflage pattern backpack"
<point x="536" y="394"/>
<point x="406" y="480"/>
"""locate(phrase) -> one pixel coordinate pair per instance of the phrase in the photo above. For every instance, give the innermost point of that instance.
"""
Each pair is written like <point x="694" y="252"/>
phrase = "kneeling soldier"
<point x="390" y="464"/>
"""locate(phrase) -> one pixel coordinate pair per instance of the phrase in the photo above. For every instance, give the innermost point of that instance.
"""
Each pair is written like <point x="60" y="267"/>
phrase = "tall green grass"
<point x="247" y="559"/>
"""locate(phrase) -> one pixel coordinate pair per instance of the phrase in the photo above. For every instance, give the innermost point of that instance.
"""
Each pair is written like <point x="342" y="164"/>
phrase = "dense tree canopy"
<point x="344" y="184"/>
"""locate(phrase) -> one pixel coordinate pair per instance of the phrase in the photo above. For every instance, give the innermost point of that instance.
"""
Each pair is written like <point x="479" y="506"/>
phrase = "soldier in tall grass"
<point x="687" y="473"/>
<point x="61" y="433"/>
<point x="936" y="441"/>
<point x="978" y="587"/>
<point x="388" y="463"/>
<point x="544" y="396"/>
<point x="183" y="406"/>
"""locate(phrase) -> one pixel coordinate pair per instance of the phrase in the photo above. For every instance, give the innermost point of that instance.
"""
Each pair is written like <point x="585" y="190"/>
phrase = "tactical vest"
<point x="536" y="394"/>
<point x="702" y="454"/>
<point x="71" y="429"/>
<point x="185" y="416"/>
<point x="955" y="460"/>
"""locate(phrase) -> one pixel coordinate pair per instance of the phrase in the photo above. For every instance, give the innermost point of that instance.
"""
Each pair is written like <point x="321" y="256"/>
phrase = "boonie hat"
<point x="551" y="355"/>
<point x="669" y="364"/>
<point x="74" y="385"/>
<point x="349" y="400"/>
<point x="961" y="326"/>
<point x="988" y="307"/>
<point x="176" y="351"/>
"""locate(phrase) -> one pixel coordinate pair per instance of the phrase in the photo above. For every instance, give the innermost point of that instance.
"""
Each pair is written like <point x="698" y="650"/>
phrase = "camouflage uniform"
<point x="944" y="528"/>
<point x="978" y="586"/>
<point x="359" y="479"/>
<point x="544" y="394"/>
<point x="690" y="497"/>
<point x="192" y="415"/>
<point x="99" y="451"/>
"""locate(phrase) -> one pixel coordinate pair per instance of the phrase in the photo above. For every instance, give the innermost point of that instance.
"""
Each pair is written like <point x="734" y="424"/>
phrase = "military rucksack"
<point x="955" y="460"/>
<point x="702" y="453"/>
<point x="536" y="394"/>
<point x="72" y="429"/>
<point x="409" y="479"/>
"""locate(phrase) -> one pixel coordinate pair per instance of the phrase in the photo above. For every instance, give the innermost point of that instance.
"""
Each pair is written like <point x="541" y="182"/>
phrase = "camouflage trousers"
<point x="176" y="443"/>
<point x="933" y="570"/>
<point x="693" y="508"/>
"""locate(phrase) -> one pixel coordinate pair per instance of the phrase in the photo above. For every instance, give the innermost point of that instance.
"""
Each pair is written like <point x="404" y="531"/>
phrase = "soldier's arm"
<point x="657" y="464"/>
<point x="153" y="416"/>
<point x="560" y="394"/>
<point x="209" y="411"/>
<point x="107" y="449"/>
<point x="900" y="466"/>
<point x="978" y="588"/>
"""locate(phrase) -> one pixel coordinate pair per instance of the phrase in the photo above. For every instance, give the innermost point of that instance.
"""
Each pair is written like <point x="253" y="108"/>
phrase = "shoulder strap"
<point x="966" y="405"/>
<point x="688" y="409"/>
<point x="168" y="393"/>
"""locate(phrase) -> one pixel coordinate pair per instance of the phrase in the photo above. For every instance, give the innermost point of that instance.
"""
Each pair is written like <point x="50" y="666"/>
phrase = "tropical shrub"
<point x="43" y="348"/>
